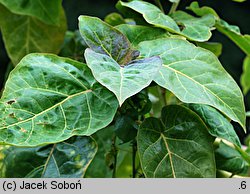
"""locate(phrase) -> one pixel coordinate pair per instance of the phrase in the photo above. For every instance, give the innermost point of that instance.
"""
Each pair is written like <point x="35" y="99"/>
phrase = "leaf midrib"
<point x="205" y="88"/>
<point x="48" y="109"/>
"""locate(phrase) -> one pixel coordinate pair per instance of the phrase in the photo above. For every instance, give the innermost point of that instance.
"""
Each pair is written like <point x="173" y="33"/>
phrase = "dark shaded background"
<point x="234" y="13"/>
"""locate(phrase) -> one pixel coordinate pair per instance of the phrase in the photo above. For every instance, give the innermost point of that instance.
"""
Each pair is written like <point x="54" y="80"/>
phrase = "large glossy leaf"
<point x="245" y="77"/>
<point x="228" y="159"/>
<point x="68" y="159"/>
<point x="195" y="75"/>
<point x="49" y="99"/>
<point x="25" y="34"/>
<point x="231" y="31"/>
<point x="176" y="146"/>
<point x="197" y="29"/>
<point x="217" y="124"/>
<point x="44" y="10"/>
<point x="137" y="34"/>
<point x="105" y="39"/>
<point x="123" y="81"/>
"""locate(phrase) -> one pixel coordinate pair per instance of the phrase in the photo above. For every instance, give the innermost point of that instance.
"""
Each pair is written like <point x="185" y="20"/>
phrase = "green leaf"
<point x="123" y="81"/>
<point x="125" y="128"/>
<point x="233" y="32"/>
<point x="114" y="19"/>
<point x="105" y="39"/>
<point x="229" y="159"/>
<point x="73" y="46"/>
<point x="98" y="167"/>
<point x="49" y="99"/>
<point x="201" y="11"/>
<point x="214" y="47"/>
<point x="196" y="29"/>
<point x="248" y="114"/>
<point x="33" y="35"/>
<point x="68" y="159"/>
<point x="152" y="14"/>
<point x="137" y="34"/>
<point x="240" y="1"/>
<point x="195" y="75"/>
<point x="245" y="77"/>
<point x="217" y="124"/>
<point x="46" y="11"/>
<point x="178" y="145"/>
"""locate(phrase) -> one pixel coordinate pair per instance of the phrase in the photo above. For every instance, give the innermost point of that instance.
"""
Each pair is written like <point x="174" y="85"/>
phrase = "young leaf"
<point x="195" y="75"/>
<point x="105" y="39"/>
<point x="217" y="124"/>
<point x="68" y="159"/>
<point x="137" y="34"/>
<point x="46" y="11"/>
<point x="229" y="159"/>
<point x="50" y="99"/>
<point x="33" y="35"/>
<point x="123" y="81"/>
<point x="178" y="145"/>
<point x="245" y="77"/>
<point x="196" y="29"/>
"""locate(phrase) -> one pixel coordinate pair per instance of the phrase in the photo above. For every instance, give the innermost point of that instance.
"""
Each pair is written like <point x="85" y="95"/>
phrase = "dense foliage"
<point x="140" y="94"/>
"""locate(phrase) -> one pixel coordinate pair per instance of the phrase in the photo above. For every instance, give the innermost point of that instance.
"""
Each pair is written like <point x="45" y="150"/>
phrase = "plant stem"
<point x="162" y="95"/>
<point x="114" y="150"/>
<point x="158" y="3"/>
<point x="174" y="7"/>
<point x="134" y="149"/>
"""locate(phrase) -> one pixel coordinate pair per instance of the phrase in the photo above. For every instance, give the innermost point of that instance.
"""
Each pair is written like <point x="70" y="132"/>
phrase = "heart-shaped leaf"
<point x="48" y="99"/>
<point x="217" y="124"/>
<point x="68" y="159"/>
<point x="195" y="75"/>
<point x="33" y="35"/>
<point x="44" y="10"/>
<point x="196" y="29"/>
<point x="123" y="81"/>
<point x="176" y="146"/>
<point x="105" y="39"/>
